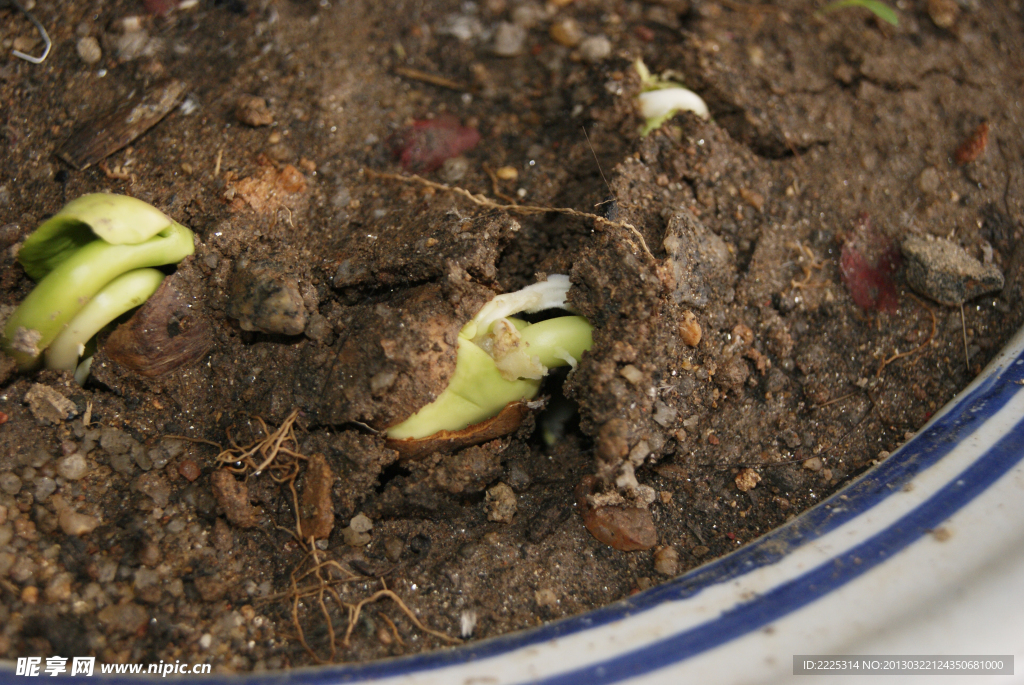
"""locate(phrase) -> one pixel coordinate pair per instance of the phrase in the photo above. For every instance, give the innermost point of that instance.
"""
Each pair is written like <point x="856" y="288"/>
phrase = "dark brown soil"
<point x="321" y="283"/>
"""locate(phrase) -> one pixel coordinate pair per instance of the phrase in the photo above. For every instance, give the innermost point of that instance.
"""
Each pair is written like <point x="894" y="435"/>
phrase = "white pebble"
<point x="72" y="467"/>
<point x="89" y="50"/>
<point x="596" y="48"/>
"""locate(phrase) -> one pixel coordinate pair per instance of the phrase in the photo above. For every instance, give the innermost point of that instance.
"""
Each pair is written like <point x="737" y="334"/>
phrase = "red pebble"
<point x="159" y="7"/>
<point x="3" y="417"/>
<point x="972" y="148"/>
<point x="426" y="144"/>
<point x="189" y="470"/>
<point x="868" y="262"/>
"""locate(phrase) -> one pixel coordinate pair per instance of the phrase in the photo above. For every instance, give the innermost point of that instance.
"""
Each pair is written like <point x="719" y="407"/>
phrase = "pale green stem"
<point x="477" y="391"/>
<point x="122" y="294"/>
<point x="65" y="290"/>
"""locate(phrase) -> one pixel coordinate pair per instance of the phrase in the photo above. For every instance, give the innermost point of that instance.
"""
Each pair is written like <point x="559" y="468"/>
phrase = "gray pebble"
<point x="943" y="271"/>
<point x="114" y="441"/>
<point x="146" y="577"/>
<point x="90" y="439"/>
<point x="509" y="39"/>
<point x="156" y="486"/>
<point x="23" y="569"/>
<point x="393" y="547"/>
<point x="454" y="169"/>
<point x="928" y="181"/>
<point x="664" y="415"/>
<point x="72" y="467"/>
<point x="122" y="463"/>
<point x="37" y="457"/>
<point x="10" y="483"/>
<point x="595" y="48"/>
<point x="106" y="569"/>
<point x="59" y="587"/>
<point x="141" y="457"/>
<point x="44" y="488"/>
<point x="6" y="558"/>
<point x="131" y="45"/>
<point x="341" y="197"/>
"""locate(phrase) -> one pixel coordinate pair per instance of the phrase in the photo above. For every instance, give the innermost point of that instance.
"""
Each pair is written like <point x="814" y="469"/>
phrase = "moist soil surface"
<point x="760" y="338"/>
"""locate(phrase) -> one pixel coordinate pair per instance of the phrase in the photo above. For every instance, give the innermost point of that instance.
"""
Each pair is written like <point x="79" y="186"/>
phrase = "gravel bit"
<point x="666" y="561"/>
<point x="357" y="532"/>
<point x="48" y="405"/>
<point x="595" y="49"/>
<point x="943" y="271"/>
<point x="88" y="49"/>
<point x="509" y="39"/>
<point x="72" y="467"/>
<point x="501" y="504"/>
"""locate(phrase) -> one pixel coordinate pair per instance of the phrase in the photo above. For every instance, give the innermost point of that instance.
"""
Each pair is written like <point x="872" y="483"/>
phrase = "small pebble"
<point x="393" y="548"/>
<point x="88" y="49"/>
<point x="632" y="374"/>
<point x="501" y="503"/>
<point x="188" y="470"/>
<point x="507" y="173"/>
<point x="812" y="464"/>
<point x="74" y="523"/>
<point x="545" y="597"/>
<point x="145" y="577"/>
<point x="943" y="12"/>
<point x="26" y="529"/>
<point x="747" y="480"/>
<point x="124" y="618"/>
<point x="44" y="488"/>
<point x="115" y="441"/>
<point x="666" y="561"/>
<point x="150" y="554"/>
<point x="10" y="483"/>
<point x="122" y="463"/>
<point x="132" y="45"/>
<point x="455" y="169"/>
<point x="30" y="595"/>
<point x="566" y="32"/>
<point x="357" y="533"/>
<point x="509" y="39"/>
<point x="689" y="329"/>
<point x="928" y="181"/>
<point x="59" y="587"/>
<point x="595" y="48"/>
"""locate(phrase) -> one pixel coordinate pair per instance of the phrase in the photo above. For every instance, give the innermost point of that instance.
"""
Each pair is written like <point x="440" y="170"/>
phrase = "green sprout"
<point x="879" y="9"/>
<point x="78" y="256"/>
<point x="661" y="99"/>
<point x="501" y="359"/>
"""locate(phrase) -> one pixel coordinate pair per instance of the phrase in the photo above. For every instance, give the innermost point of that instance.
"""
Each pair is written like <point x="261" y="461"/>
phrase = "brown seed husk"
<point x="117" y="128"/>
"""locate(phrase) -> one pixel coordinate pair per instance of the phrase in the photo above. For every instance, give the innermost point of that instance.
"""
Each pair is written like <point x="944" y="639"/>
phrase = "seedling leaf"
<point x="879" y="9"/>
